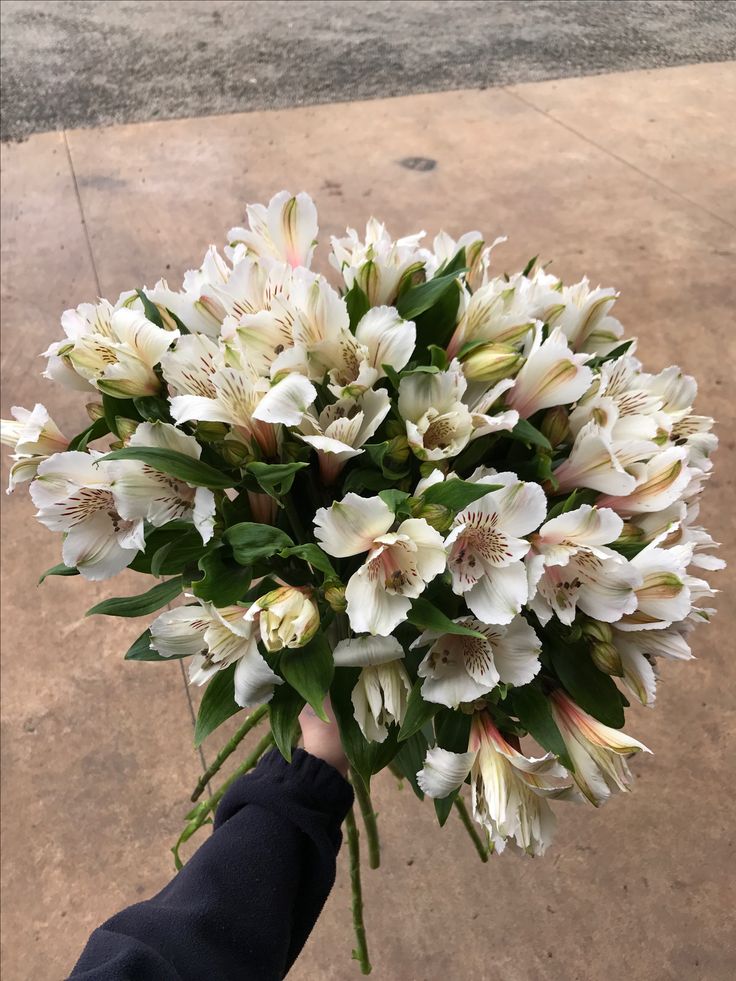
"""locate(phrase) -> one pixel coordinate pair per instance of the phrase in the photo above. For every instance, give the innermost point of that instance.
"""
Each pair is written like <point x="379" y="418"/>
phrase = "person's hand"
<point x="322" y="739"/>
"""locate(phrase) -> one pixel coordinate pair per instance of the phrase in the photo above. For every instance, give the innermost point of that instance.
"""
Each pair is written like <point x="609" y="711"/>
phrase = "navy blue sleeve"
<point x="244" y="904"/>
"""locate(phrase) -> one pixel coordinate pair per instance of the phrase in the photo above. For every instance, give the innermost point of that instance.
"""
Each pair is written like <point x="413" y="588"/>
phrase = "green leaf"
<point x="617" y="352"/>
<point x="138" y="606"/>
<point x="309" y="670"/>
<point x="283" y="711"/>
<point x="436" y="325"/>
<point x="313" y="555"/>
<point x="443" y="807"/>
<point x="98" y="429"/>
<point x="59" y="570"/>
<point x="456" y="265"/>
<point x="395" y="500"/>
<point x="529" y="266"/>
<point x="179" y="465"/>
<point x="531" y="707"/>
<point x="175" y="555"/>
<point x="452" y="730"/>
<point x="275" y="478"/>
<point x="357" y="749"/>
<point x="217" y="705"/>
<point x="224" y="582"/>
<point x="438" y="357"/>
<point x="251" y="541"/>
<point x="457" y="494"/>
<point x="593" y="691"/>
<point x="579" y="496"/>
<point x="115" y="408"/>
<point x="524" y="432"/>
<point x="358" y="305"/>
<point x="426" y="616"/>
<point x="150" y="309"/>
<point x="419" y="298"/>
<point x="418" y="713"/>
<point x="628" y="549"/>
<point x="141" y="650"/>
<point x="152" y="409"/>
<point x="410" y="759"/>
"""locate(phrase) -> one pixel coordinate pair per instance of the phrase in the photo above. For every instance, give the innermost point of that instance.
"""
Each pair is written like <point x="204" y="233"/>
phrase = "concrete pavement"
<point x="94" y="62"/>
<point x="624" y="177"/>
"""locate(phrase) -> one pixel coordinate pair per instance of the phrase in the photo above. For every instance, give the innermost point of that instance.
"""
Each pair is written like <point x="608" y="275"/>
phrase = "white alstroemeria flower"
<point x="620" y="402"/>
<point x="237" y="396"/>
<point x="509" y="790"/>
<point x="572" y="568"/>
<point x="439" y="422"/>
<point x="639" y="649"/>
<point x="445" y="248"/>
<point x="189" y="366"/>
<point x="382" y="691"/>
<point x="663" y="596"/>
<point x="659" y="483"/>
<point x="585" y="318"/>
<point x="597" y="751"/>
<point x="197" y="305"/>
<point x="551" y="375"/>
<point x="341" y="429"/>
<point x="486" y="546"/>
<point x="34" y="436"/>
<point x="285" y="229"/>
<point x="378" y="265"/>
<point x="286" y="401"/>
<point x="504" y="311"/>
<point x="675" y="390"/>
<point x="594" y="462"/>
<point x="73" y="494"/>
<point x="461" y="669"/>
<point x="140" y="491"/>
<point x="694" y="433"/>
<point x="77" y="323"/>
<point x="398" y="566"/>
<point x="215" y="639"/>
<point x="287" y="617"/>
<point x="114" y="350"/>
<point x="355" y="362"/>
<point x="675" y="525"/>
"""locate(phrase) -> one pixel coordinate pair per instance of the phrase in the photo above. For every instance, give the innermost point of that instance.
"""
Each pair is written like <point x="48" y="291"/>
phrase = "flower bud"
<point x="595" y="630"/>
<point x="436" y="515"/>
<point x="125" y="427"/>
<point x="288" y="617"/>
<point x="630" y="534"/>
<point x="394" y="427"/>
<point x="211" y="432"/>
<point x="398" y="449"/>
<point x="606" y="658"/>
<point x="95" y="411"/>
<point x="492" y="362"/>
<point x="555" y="426"/>
<point x="235" y="452"/>
<point x="335" y="596"/>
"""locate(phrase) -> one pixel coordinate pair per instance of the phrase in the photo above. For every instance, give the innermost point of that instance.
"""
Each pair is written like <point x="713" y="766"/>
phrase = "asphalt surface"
<point x="79" y="63"/>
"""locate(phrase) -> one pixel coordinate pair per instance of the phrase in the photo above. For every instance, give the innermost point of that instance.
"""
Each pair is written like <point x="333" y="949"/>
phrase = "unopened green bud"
<point x="630" y="534"/>
<point x="556" y="426"/>
<point x="125" y="427"/>
<point x="398" y="449"/>
<point x="436" y="515"/>
<point x="95" y="410"/>
<point x="394" y="427"/>
<point x="117" y="444"/>
<point x="335" y="596"/>
<point x="607" y="659"/>
<point x="597" y="631"/>
<point x="211" y="432"/>
<point x="235" y="452"/>
<point x="492" y="362"/>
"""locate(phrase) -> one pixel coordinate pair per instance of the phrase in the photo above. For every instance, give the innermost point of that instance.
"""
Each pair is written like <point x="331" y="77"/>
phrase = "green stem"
<point x="227" y="749"/>
<point x="199" y="815"/>
<point x="294" y="520"/>
<point x="470" y="828"/>
<point x="360" y="954"/>
<point x="369" y="820"/>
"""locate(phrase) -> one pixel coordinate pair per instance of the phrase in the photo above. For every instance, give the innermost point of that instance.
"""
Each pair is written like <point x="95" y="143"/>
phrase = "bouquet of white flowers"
<point x="453" y="502"/>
